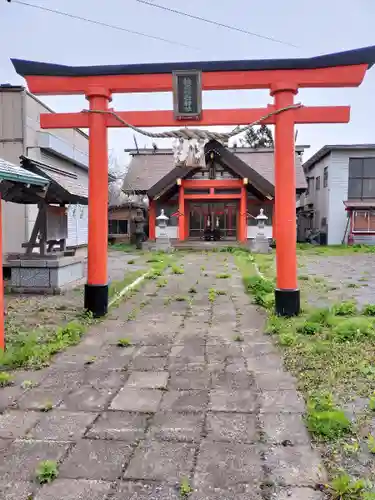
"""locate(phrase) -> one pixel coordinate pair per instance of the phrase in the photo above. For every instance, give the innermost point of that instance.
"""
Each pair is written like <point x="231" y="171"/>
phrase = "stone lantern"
<point x="261" y="218"/>
<point x="162" y="240"/>
<point x="261" y="243"/>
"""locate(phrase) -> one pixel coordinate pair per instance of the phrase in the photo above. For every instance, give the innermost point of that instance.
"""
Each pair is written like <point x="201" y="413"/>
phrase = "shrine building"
<point x="218" y="199"/>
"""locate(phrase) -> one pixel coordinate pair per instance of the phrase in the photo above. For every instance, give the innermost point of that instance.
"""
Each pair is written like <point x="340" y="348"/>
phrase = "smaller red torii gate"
<point x="283" y="77"/>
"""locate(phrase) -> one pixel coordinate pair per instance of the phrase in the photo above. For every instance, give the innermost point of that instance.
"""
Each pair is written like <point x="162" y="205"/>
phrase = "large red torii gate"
<point x="283" y="77"/>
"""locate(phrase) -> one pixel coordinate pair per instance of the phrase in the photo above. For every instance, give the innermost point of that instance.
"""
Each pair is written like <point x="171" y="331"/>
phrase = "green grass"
<point x="325" y="420"/>
<point x="345" y="487"/>
<point x="307" y="249"/>
<point x="330" y="351"/>
<point x="124" y="247"/>
<point x="34" y="349"/>
<point x="5" y="379"/>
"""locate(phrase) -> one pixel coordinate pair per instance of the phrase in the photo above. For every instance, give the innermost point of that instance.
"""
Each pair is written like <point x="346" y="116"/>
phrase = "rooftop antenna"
<point x="136" y="143"/>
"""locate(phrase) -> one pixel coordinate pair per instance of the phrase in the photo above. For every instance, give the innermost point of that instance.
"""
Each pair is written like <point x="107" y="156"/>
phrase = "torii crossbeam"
<point x="283" y="77"/>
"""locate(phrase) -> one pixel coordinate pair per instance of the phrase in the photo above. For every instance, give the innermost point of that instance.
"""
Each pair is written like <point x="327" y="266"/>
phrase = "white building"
<point x="65" y="151"/>
<point x="340" y="199"/>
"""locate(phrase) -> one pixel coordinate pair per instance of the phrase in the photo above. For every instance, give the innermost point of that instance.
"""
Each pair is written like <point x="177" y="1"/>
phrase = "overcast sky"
<point x="316" y="27"/>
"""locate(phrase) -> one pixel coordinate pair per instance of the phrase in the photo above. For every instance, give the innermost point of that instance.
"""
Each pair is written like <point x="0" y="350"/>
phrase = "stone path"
<point x="185" y="404"/>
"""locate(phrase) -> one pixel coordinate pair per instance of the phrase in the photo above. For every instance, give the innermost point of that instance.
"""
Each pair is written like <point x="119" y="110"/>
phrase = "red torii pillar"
<point x="98" y="86"/>
<point x="287" y="297"/>
<point x="96" y="289"/>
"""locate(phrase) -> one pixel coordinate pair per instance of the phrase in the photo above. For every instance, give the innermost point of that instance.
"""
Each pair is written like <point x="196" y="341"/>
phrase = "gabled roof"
<point x="151" y="171"/>
<point x="364" y="55"/>
<point x="326" y="150"/>
<point x="238" y="165"/>
<point x="64" y="186"/>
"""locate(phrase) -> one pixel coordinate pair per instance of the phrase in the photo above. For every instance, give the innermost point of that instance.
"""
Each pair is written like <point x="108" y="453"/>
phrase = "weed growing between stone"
<point x="46" y="472"/>
<point x="185" y="488"/>
<point x="124" y="342"/>
<point x="331" y="351"/>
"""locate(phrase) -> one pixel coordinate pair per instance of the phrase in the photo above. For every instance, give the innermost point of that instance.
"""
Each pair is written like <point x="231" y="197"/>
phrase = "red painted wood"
<point x="203" y="197"/>
<point x="165" y="118"/>
<point x="152" y="220"/>
<point x="212" y="183"/>
<point x="285" y="193"/>
<point x="342" y="76"/>
<point x="97" y="273"/>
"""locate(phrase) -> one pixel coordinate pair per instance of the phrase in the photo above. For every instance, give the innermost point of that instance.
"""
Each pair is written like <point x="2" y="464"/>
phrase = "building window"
<point x="118" y="227"/>
<point x="310" y="185"/>
<point x="363" y="221"/>
<point x="317" y="183"/>
<point x="325" y="177"/>
<point x="361" y="178"/>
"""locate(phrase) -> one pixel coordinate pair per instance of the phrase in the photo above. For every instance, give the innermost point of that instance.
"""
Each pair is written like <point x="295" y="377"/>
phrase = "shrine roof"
<point x="365" y="55"/>
<point x="63" y="186"/>
<point x="148" y="169"/>
<point x="19" y="185"/>
<point x="11" y="172"/>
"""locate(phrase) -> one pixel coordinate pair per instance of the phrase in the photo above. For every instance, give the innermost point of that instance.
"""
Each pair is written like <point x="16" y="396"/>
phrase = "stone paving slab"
<point x="68" y="489"/>
<point x="185" y="402"/>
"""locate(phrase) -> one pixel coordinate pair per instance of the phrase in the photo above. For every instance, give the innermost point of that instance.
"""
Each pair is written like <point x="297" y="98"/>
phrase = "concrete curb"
<point x="117" y="297"/>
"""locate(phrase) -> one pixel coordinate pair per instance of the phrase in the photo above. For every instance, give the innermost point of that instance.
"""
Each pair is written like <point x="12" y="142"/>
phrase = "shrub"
<point x="352" y="329"/>
<point x="346" y="308"/>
